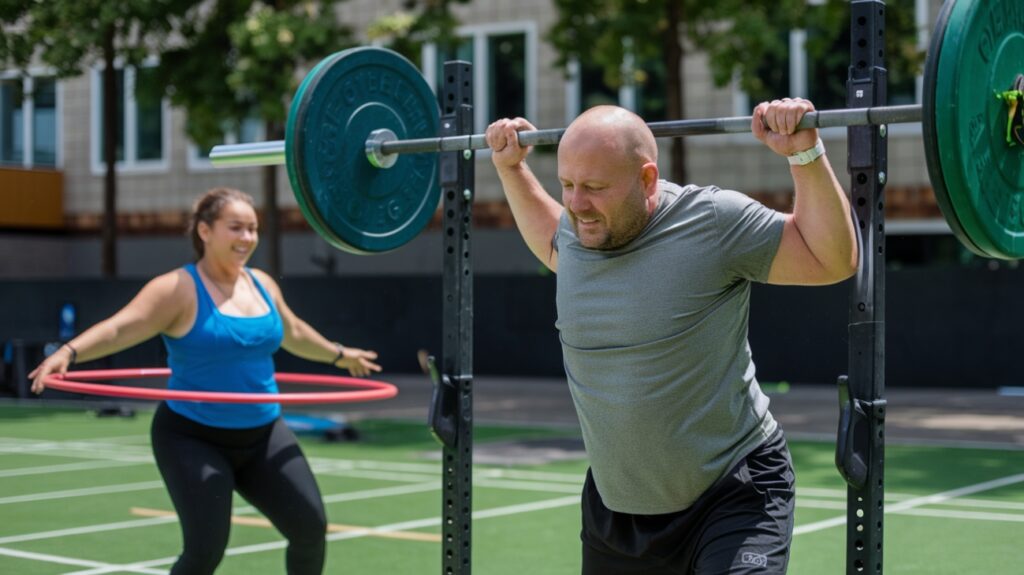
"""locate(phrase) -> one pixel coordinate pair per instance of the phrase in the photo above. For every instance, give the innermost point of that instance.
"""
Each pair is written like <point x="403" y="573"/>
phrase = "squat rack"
<point x="860" y="444"/>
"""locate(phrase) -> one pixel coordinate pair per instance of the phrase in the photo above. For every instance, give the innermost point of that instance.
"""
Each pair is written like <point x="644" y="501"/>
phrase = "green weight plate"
<point x="351" y="204"/>
<point x="977" y="50"/>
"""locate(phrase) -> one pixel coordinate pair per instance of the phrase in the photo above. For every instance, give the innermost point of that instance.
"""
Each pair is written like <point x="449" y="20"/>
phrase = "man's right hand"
<point x="503" y="139"/>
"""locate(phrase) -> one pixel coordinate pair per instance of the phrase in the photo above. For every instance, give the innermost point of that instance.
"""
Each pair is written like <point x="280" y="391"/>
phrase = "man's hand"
<point x="503" y="139"/>
<point x="775" y="122"/>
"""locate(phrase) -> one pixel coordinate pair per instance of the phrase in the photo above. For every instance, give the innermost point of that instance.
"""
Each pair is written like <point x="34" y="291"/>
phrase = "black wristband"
<point x="74" y="353"/>
<point x="341" y="353"/>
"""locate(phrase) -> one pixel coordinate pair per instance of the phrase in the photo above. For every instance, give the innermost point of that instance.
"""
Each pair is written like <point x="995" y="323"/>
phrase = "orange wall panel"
<point x="31" y="198"/>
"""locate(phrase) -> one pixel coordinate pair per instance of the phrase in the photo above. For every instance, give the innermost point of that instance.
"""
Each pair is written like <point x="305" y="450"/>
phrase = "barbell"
<point x="364" y="121"/>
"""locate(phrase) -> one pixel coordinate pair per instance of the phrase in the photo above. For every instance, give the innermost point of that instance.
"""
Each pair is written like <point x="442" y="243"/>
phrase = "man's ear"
<point x="649" y="175"/>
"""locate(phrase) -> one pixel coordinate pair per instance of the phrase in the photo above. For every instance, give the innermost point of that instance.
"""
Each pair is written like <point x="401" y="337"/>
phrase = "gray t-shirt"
<point x="654" y="341"/>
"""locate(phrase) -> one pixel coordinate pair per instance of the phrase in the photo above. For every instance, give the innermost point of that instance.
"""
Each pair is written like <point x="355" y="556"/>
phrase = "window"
<point x="141" y="140"/>
<point x="504" y="68"/>
<point x="823" y="79"/>
<point x="645" y="94"/>
<point x="28" y="121"/>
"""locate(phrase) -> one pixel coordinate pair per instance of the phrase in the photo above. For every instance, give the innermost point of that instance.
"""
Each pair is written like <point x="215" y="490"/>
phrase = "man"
<point x="689" y="471"/>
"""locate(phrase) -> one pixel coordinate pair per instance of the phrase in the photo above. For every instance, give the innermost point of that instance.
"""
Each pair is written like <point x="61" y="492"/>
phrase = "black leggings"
<point x="203" y="465"/>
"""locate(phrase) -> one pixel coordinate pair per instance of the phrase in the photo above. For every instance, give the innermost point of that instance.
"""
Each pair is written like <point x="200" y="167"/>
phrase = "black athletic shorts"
<point x="743" y="524"/>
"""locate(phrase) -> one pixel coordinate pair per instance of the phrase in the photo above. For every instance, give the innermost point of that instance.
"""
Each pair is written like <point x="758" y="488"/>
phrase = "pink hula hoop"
<point x="369" y="390"/>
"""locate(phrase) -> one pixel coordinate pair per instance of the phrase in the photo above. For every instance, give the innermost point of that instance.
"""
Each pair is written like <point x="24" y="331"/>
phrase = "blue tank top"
<point x="225" y="353"/>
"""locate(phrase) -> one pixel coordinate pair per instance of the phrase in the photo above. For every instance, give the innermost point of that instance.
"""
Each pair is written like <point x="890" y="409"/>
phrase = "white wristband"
<point x="807" y="156"/>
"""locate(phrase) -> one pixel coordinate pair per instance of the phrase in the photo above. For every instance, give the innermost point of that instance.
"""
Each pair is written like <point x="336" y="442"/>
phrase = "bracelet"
<point x="74" y="353"/>
<point x="807" y="156"/>
<point x="341" y="353"/>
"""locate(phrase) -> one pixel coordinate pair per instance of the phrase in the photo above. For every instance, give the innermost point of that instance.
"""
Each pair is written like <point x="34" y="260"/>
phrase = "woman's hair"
<point x="207" y="209"/>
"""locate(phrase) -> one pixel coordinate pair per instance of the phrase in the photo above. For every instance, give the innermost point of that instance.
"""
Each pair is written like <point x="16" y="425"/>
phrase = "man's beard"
<point x="630" y="221"/>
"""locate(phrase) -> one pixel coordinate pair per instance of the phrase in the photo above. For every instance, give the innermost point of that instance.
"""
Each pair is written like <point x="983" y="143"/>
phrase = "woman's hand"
<point x="358" y="362"/>
<point x="57" y="362"/>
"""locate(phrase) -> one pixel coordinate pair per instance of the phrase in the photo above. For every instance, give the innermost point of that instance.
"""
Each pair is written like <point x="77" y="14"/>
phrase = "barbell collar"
<point x="381" y="149"/>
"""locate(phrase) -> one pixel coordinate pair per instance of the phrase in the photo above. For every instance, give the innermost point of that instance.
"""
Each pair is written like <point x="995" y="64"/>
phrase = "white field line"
<point x="83" y="492"/>
<point x="941" y="513"/>
<point x="433" y="469"/>
<point x="63" y="467"/>
<point x="76" y="562"/>
<point x="68" y="448"/>
<point x="242" y="510"/>
<point x="914" y="502"/>
<point x="403" y="526"/>
<point x="86" y="530"/>
<point x="954" y="514"/>
<point x="81" y="452"/>
<point x="116" y="440"/>
<point x="958" y="502"/>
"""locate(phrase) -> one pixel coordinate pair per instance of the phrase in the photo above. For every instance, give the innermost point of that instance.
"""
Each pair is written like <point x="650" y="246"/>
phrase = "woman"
<point x="221" y="322"/>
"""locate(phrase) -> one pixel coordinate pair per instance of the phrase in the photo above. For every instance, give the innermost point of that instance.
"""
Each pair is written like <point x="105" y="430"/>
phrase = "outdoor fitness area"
<point x="81" y="494"/>
<point x="446" y="471"/>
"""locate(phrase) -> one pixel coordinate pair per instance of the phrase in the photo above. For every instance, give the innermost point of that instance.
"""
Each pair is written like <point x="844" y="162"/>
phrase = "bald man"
<point x="689" y="471"/>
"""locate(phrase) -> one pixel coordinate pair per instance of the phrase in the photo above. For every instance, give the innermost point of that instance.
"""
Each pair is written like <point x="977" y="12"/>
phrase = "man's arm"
<point x="536" y="213"/>
<point x="819" y="244"/>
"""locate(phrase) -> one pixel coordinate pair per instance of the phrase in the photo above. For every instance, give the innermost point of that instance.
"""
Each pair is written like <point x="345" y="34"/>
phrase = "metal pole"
<point x="457" y="177"/>
<point x="860" y="445"/>
<point x="266" y="153"/>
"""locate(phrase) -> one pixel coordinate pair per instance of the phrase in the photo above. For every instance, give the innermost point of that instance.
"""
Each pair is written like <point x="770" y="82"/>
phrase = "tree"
<point x="71" y="35"/>
<point x="745" y="40"/>
<point x="240" y="59"/>
<point x="417" y="23"/>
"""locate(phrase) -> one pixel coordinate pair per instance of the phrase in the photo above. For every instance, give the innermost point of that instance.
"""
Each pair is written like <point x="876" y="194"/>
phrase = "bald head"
<point x="614" y="130"/>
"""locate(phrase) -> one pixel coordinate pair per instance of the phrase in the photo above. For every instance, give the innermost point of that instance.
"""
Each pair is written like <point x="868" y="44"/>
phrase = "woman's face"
<point x="233" y="236"/>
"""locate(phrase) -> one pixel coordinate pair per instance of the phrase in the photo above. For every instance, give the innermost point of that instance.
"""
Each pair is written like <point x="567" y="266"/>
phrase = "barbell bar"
<point x="380" y="146"/>
<point x="365" y="109"/>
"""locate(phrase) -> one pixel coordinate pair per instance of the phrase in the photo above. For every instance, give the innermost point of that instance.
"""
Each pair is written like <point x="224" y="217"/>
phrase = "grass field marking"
<point x="127" y="567"/>
<point x="331" y="527"/>
<point x="572" y="478"/>
<point x="526" y="507"/>
<point x="483" y="514"/>
<point x="433" y="485"/>
<point x="940" y="513"/>
<point x="105" y="443"/>
<point x="402" y="526"/>
<point x="108" y="439"/>
<point x="89" y="529"/>
<point x="956" y="514"/>
<point x="83" y="492"/>
<point x="479" y="479"/>
<point x="375" y="465"/>
<point x="62" y="467"/>
<point x="954" y="493"/>
<point x="958" y="502"/>
<point x="917" y="502"/>
<point x="528" y="486"/>
<point x="81" y="452"/>
<point x="76" y="562"/>
<point x="83" y="530"/>
<point x="819" y="504"/>
<point x="433" y="468"/>
<point x="380" y="475"/>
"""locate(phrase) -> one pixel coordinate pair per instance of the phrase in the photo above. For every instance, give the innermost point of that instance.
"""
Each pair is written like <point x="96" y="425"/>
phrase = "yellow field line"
<point x="331" y="527"/>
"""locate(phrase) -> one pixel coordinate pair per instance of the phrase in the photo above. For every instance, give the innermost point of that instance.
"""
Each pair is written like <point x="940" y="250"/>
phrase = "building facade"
<point x="51" y="169"/>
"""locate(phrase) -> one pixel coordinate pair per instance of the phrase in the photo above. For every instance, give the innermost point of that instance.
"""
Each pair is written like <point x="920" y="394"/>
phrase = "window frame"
<point x="28" y="115"/>
<point x="480" y="34"/>
<point x="130" y="163"/>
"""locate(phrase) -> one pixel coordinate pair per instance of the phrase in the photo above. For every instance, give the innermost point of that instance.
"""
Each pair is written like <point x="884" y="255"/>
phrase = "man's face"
<point x="604" y="195"/>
